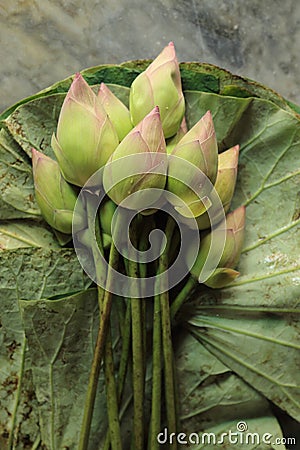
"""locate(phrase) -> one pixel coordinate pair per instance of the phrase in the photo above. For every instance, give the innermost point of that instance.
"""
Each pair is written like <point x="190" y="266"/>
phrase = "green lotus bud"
<point x="199" y="147"/>
<point x="235" y="223"/>
<point x="86" y="238"/>
<point x="159" y="84"/>
<point x="117" y="112"/>
<point x="55" y="197"/>
<point x="107" y="210"/>
<point x="221" y="278"/>
<point x="130" y="175"/>
<point x="224" y="186"/>
<point x="224" y="273"/>
<point x="85" y="136"/>
<point x="172" y="142"/>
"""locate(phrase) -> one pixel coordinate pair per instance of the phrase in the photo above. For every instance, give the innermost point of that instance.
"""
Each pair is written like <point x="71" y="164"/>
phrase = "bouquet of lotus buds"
<point x="137" y="308"/>
<point x="141" y="170"/>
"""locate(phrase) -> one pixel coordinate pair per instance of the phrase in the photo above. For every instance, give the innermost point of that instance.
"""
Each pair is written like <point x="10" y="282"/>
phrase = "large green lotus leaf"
<point x="26" y="273"/>
<point x="32" y="124"/>
<point x="16" y="189"/>
<point x="209" y="78"/>
<point x="61" y="337"/>
<point x="260" y="344"/>
<point x="215" y="400"/>
<point x="26" y="233"/>
<point x="262" y="347"/>
<point x="19" y="422"/>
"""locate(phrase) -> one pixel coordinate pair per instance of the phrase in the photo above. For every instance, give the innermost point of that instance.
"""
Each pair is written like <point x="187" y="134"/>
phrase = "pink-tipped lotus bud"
<point x="224" y="273"/>
<point x="224" y="186"/>
<point x="128" y="175"/>
<point x="117" y="112"/>
<point x="55" y="197"/>
<point x="235" y="224"/>
<point x="85" y="136"/>
<point x="159" y="84"/>
<point x="199" y="147"/>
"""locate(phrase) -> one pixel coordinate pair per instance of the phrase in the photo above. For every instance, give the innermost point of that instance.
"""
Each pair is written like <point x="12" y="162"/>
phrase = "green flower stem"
<point x="99" y="350"/>
<point x="182" y="297"/>
<point x="114" y="432"/>
<point x="126" y="340"/>
<point x="112" y="402"/>
<point x="168" y="364"/>
<point x="144" y="331"/>
<point x="155" y="421"/>
<point x="113" y="437"/>
<point x="148" y="226"/>
<point x="138" y="373"/>
<point x="170" y="393"/>
<point x="126" y="335"/>
<point x="137" y="356"/>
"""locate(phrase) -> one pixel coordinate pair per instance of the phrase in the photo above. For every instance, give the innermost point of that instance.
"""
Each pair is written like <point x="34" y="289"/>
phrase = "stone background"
<point x="43" y="41"/>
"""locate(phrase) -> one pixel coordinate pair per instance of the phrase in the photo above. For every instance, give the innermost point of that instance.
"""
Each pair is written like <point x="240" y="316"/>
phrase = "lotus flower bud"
<point x="199" y="147"/>
<point x="159" y="84"/>
<point x="130" y="175"/>
<point x="221" y="278"/>
<point x="85" y="136"/>
<point x="55" y="197"/>
<point x="117" y="112"/>
<point x="107" y="210"/>
<point x="172" y="142"/>
<point x="224" y="186"/>
<point x="224" y="273"/>
<point x="235" y="224"/>
<point x="86" y="238"/>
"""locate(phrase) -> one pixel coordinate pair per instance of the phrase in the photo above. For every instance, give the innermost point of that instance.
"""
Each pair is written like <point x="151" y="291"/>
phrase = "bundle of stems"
<point x="136" y="337"/>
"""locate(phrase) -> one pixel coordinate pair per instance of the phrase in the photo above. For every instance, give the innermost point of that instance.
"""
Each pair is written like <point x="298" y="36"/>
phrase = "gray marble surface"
<point x="43" y="41"/>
